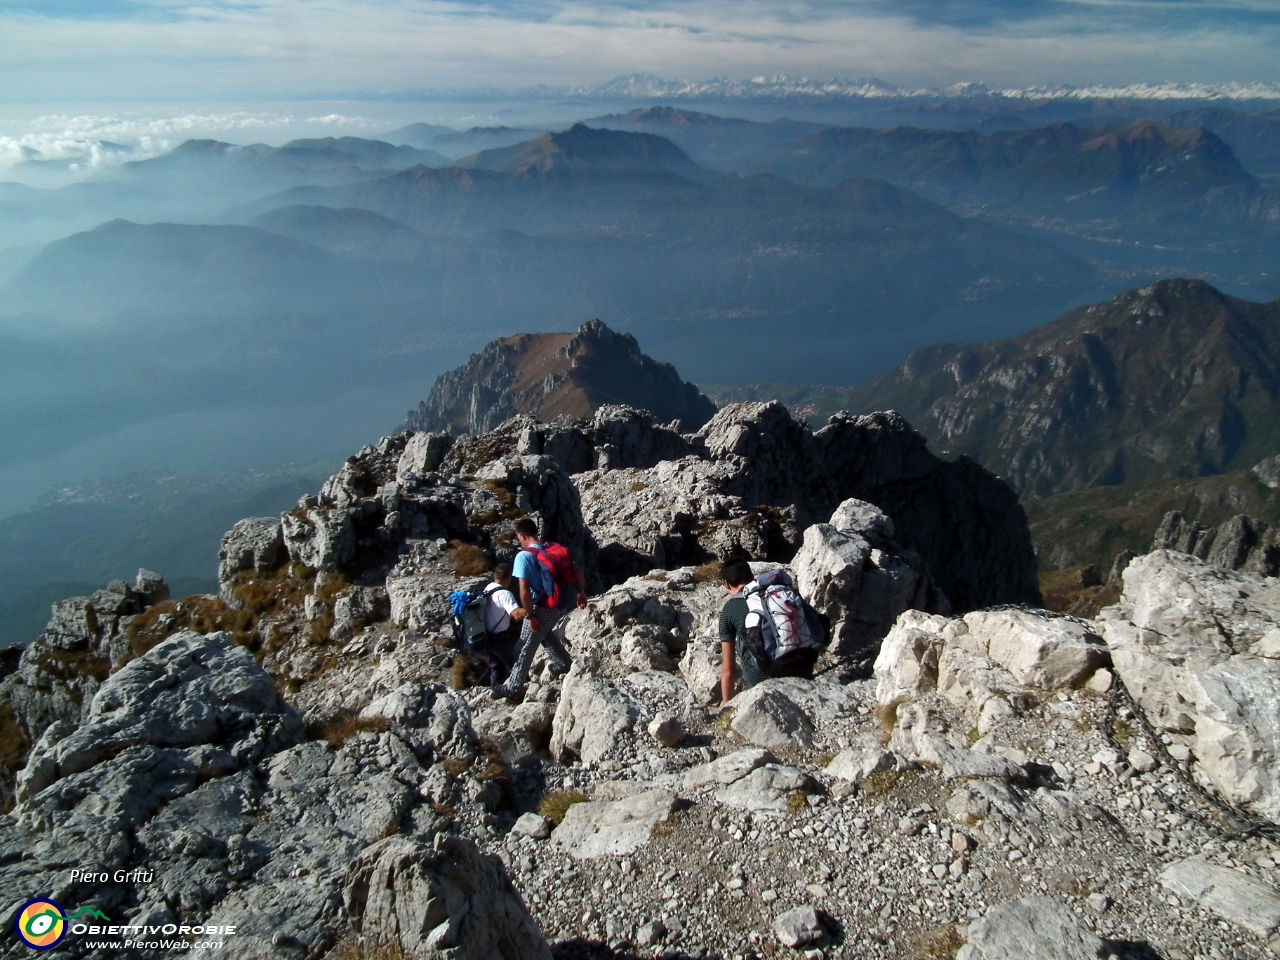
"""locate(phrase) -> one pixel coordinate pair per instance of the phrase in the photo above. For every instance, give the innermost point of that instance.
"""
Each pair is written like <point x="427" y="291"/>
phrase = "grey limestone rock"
<point x="856" y="763"/>
<point x="256" y="543"/>
<point x="920" y="735"/>
<point x="981" y="661"/>
<point x="1037" y="927"/>
<point x="1194" y="645"/>
<point x="592" y="716"/>
<point x="767" y="787"/>
<point x="1242" y="543"/>
<point x="800" y="927"/>
<point x="190" y="690"/>
<point x="323" y="538"/>
<point x="422" y="455"/>
<point x="613" y="827"/>
<point x="861" y="587"/>
<point x="533" y="826"/>
<point x="444" y="899"/>
<point x="1228" y="893"/>
<point x="767" y="717"/>
<point x="727" y="769"/>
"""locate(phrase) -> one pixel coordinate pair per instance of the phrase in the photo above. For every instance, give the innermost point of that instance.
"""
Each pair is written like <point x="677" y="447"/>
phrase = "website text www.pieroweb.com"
<point x="43" y="923"/>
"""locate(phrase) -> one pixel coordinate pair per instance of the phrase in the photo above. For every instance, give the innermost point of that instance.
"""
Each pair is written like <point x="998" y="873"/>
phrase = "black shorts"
<point x="797" y="663"/>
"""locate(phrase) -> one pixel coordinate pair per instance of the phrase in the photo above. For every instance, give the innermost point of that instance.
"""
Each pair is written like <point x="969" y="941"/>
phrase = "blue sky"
<point x="134" y="50"/>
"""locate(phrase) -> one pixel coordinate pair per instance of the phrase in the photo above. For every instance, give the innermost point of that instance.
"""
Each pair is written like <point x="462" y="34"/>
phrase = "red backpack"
<point x="557" y="571"/>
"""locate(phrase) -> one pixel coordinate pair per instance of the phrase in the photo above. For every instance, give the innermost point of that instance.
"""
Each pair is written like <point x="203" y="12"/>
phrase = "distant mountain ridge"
<point x="580" y="148"/>
<point x="550" y="375"/>
<point x="1173" y="380"/>
<point x="1140" y="175"/>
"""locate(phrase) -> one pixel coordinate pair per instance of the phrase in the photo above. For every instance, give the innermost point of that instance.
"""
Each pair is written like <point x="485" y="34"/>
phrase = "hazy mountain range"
<point x="232" y="295"/>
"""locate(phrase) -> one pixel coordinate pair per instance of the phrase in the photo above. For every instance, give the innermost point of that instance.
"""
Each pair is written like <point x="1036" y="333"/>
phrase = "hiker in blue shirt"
<point x="551" y="584"/>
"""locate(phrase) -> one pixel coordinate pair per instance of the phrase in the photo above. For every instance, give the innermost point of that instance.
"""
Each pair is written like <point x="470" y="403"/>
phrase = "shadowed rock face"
<point x="550" y="375"/>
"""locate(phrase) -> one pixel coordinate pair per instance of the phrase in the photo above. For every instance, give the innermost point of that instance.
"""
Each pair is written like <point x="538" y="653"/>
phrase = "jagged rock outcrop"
<point x="852" y="571"/>
<point x="986" y="663"/>
<point x="1242" y="543"/>
<point x="764" y="478"/>
<point x="1199" y="649"/>
<point x="551" y="375"/>
<point x="58" y="674"/>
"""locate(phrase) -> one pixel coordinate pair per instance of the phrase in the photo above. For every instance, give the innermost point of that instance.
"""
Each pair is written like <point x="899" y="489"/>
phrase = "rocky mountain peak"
<point x="1175" y="379"/>
<point x="550" y="375"/>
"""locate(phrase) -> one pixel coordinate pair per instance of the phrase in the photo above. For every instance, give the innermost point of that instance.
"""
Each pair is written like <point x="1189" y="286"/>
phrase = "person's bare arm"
<point x="526" y="602"/>
<point x="728" y="673"/>
<point x="582" y="585"/>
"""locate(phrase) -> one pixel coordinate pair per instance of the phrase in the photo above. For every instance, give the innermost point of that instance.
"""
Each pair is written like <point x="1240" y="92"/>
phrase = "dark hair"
<point x="736" y="572"/>
<point x="527" y="526"/>
<point x="501" y="572"/>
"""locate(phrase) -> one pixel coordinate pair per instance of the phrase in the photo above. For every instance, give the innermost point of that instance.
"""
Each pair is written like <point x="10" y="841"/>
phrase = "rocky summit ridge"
<point x="550" y="375"/>
<point x="304" y="759"/>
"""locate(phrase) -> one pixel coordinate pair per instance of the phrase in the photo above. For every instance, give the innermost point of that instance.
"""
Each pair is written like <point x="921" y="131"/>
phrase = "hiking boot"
<point x="503" y="692"/>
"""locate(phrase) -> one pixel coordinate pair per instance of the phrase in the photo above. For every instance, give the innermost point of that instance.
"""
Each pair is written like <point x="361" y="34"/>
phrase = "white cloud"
<point x="288" y="48"/>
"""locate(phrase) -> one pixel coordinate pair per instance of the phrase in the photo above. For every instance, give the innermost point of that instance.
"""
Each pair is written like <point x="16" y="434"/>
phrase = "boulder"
<point x="919" y="735"/>
<point x="1228" y="893"/>
<point x="767" y="717"/>
<point x="533" y="826"/>
<point x="800" y="927"/>
<point x="256" y="543"/>
<point x="1189" y="641"/>
<point x="440" y="900"/>
<point x="1038" y="927"/>
<point x="421" y="601"/>
<point x="422" y="455"/>
<point x="613" y="827"/>
<point x="1040" y="653"/>
<point x="189" y="690"/>
<point x="700" y="667"/>
<point x="855" y="764"/>
<point x="727" y="769"/>
<point x="768" y="787"/>
<point x="434" y="721"/>
<point x="861" y="587"/>
<point x="981" y="661"/>
<point x="323" y="538"/>
<point x="592" y="717"/>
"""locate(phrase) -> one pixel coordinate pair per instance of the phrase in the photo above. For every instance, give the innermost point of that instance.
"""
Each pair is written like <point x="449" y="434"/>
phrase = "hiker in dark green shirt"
<point x="734" y="654"/>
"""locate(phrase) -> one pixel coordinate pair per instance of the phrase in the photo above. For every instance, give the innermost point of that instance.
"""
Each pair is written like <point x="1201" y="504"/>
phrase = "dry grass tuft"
<point x="797" y="802"/>
<point x="707" y="572"/>
<point x="468" y="559"/>
<point x="878" y="783"/>
<point x="942" y="943"/>
<point x="465" y="672"/>
<point x="555" y="805"/>
<point x="70" y="664"/>
<point x="260" y="594"/>
<point x="455" y="768"/>
<point x="724" y="720"/>
<point x="343" y="727"/>
<point x="14" y="745"/>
